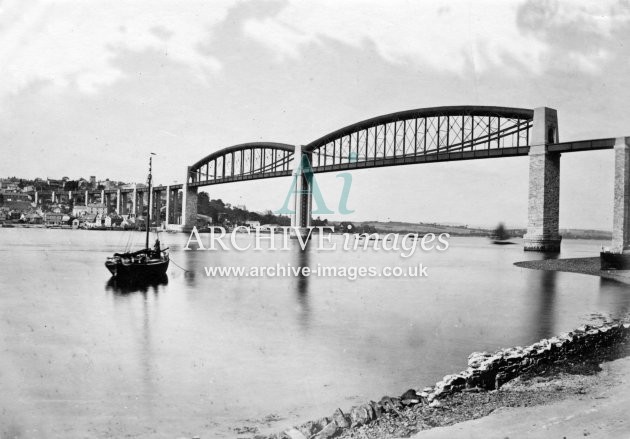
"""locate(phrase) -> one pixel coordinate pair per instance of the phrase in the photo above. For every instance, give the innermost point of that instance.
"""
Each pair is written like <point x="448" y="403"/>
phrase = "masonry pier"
<point x="543" y="233"/>
<point x="621" y="209"/>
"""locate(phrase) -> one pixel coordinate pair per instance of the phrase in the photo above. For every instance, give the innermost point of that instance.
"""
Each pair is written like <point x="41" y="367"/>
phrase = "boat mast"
<point x="146" y="242"/>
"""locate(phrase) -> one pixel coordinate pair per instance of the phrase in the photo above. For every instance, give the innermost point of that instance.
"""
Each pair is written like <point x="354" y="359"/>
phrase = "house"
<point x="89" y="221"/>
<point x="100" y="219"/>
<point x="15" y="200"/>
<point x="128" y="223"/>
<point x="55" y="184"/>
<point x="54" y="219"/>
<point x="97" y="208"/>
<point x="32" y="218"/>
<point x="253" y="224"/>
<point x="79" y="210"/>
<point x="115" y="220"/>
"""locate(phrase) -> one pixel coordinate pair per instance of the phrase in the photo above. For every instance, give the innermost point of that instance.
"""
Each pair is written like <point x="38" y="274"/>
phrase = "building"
<point x="32" y="218"/>
<point x="15" y="200"/>
<point x="90" y="220"/>
<point x="79" y="210"/>
<point x="54" y="219"/>
<point x="97" y="208"/>
<point x="55" y="184"/>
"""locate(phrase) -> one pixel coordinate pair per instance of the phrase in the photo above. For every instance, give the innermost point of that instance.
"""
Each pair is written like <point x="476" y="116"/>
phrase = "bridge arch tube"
<point x="543" y="233"/>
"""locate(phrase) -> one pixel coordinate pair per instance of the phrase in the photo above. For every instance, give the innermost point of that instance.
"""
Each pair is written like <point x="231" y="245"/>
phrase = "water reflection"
<point x="128" y="286"/>
<point x="302" y="259"/>
<point x="543" y="284"/>
<point x="546" y="315"/>
<point x="190" y="260"/>
<point x="142" y="289"/>
<point x="617" y="294"/>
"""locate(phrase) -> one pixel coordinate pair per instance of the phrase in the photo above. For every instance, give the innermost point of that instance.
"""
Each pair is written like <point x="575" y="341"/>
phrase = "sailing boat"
<point x="500" y="236"/>
<point x="144" y="264"/>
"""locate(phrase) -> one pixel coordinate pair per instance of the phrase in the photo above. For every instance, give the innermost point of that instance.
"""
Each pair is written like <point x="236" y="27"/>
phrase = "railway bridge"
<point x="420" y="136"/>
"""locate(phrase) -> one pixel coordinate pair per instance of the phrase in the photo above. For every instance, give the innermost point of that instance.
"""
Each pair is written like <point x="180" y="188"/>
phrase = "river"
<point x="197" y="355"/>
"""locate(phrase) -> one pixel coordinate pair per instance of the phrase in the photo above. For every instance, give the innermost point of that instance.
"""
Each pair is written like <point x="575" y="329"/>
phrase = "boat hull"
<point x="144" y="271"/>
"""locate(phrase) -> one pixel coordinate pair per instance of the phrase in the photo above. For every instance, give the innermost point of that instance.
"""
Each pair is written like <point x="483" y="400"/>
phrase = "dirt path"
<point x="601" y="409"/>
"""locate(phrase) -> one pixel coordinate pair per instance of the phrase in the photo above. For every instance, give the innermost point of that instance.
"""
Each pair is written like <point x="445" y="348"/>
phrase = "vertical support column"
<point x="168" y="206"/>
<point x="102" y="196"/>
<point x="189" y="204"/>
<point x="543" y="233"/>
<point x="134" y="202"/>
<point x="52" y="198"/>
<point x="150" y="199"/>
<point x="87" y="197"/>
<point x="302" y="190"/>
<point x="36" y="198"/>
<point x="118" y="195"/>
<point x="176" y="213"/>
<point x="621" y="209"/>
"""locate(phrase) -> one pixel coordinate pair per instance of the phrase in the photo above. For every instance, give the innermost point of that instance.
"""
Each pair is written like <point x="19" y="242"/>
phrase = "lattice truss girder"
<point x="246" y="162"/>
<point x="423" y="136"/>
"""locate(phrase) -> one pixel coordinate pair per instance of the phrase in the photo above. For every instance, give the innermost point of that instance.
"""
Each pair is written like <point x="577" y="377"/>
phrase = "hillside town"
<point x="64" y="203"/>
<point x="20" y="204"/>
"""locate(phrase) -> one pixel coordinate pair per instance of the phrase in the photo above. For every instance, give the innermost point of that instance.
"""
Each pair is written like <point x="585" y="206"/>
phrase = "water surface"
<point x="85" y="357"/>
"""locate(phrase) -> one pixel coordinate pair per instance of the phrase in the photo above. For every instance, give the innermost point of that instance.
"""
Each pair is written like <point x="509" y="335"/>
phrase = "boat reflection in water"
<point x="121" y="285"/>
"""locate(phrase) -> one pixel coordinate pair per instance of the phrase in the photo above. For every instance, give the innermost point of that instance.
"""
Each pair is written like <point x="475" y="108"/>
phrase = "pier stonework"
<point x="134" y="202"/>
<point x="302" y="191"/>
<point x="621" y="209"/>
<point x="189" y="204"/>
<point x="167" y="217"/>
<point x="543" y="233"/>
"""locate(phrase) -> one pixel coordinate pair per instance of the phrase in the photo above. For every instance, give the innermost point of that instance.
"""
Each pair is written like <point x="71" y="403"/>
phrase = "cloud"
<point x="74" y="42"/>
<point x="452" y="37"/>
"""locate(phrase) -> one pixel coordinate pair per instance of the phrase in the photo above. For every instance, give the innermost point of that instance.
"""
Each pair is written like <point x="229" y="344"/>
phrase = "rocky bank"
<point x="512" y="377"/>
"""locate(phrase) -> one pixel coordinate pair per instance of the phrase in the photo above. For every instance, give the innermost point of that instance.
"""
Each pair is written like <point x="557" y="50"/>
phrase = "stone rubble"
<point x="486" y="371"/>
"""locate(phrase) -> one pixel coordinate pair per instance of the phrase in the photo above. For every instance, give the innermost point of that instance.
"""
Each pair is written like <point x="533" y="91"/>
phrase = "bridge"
<point x="427" y="135"/>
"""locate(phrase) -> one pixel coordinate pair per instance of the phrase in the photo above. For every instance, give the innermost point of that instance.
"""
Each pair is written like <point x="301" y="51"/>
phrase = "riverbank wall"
<point x="486" y="371"/>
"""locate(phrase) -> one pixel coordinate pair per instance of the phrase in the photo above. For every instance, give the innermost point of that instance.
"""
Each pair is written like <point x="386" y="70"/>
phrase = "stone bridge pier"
<point x="543" y="233"/>
<point x="189" y="203"/>
<point x="621" y="207"/>
<point x="302" y="192"/>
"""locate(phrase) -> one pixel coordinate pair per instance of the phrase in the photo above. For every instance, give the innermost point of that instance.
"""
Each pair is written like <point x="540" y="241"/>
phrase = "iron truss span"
<point x="406" y="137"/>
<point x="425" y="135"/>
<point x="247" y="161"/>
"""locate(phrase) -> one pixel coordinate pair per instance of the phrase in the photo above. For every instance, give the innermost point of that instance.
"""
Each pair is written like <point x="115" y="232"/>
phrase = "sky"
<point x="91" y="88"/>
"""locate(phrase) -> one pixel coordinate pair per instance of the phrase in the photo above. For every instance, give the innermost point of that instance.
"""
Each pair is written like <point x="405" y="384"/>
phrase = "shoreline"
<point x="549" y="371"/>
<point x="430" y="411"/>
<point x="590" y="266"/>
